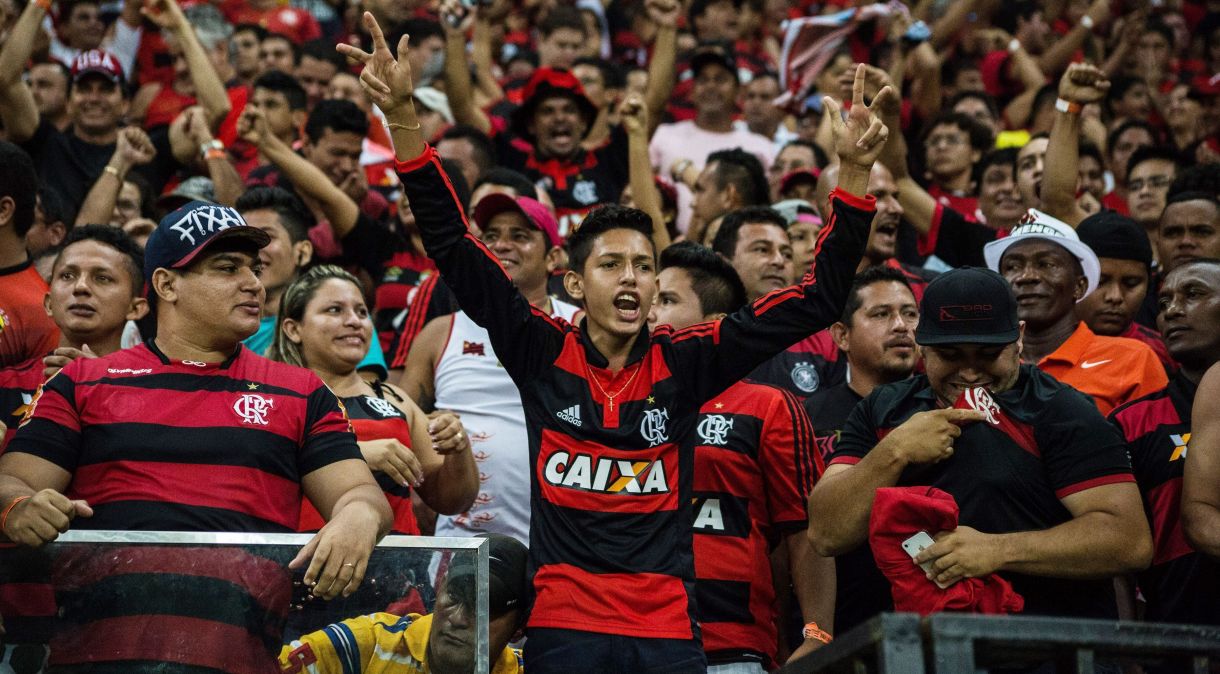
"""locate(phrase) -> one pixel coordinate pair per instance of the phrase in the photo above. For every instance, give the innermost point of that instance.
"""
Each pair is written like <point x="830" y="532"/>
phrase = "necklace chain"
<point x="608" y="396"/>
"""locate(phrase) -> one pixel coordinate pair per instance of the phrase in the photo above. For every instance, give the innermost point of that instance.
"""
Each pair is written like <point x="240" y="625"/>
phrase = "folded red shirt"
<point x="901" y="512"/>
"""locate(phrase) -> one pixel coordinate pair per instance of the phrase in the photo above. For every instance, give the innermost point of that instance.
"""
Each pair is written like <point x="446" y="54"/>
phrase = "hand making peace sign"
<point x="860" y="137"/>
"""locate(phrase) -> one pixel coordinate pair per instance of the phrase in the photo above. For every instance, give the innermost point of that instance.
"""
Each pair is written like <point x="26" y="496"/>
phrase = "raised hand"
<point x="859" y="138"/>
<point x="1083" y="83"/>
<point x="197" y="125"/>
<point x="252" y="126"/>
<point x="166" y="14"/>
<point x="386" y="79"/>
<point x="663" y="12"/>
<point x="134" y="147"/>
<point x="634" y="114"/>
<point x="876" y="79"/>
<point x="456" y="18"/>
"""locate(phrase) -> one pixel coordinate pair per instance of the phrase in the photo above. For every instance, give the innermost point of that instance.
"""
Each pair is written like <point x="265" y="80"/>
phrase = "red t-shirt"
<point x="26" y="331"/>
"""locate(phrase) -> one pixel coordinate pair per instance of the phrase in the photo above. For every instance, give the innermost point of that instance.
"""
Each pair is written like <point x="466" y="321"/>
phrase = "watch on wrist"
<point x="1087" y="22"/>
<point x="211" y="148"/>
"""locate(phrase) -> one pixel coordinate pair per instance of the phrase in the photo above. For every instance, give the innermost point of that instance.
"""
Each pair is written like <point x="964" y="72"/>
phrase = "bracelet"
<point x="1013" y="45"/>
<point x="1087" y="22"/>
<point x="1070" y="107"/>
<point x="112" y="171"/>
<point x="679" y="169"/>
<point x="392" y="125"/>
<point x="44" y="5"/>
<point x="206" y="149"/>
<point x="8" y="509"/>
<point x="812" y="631"/>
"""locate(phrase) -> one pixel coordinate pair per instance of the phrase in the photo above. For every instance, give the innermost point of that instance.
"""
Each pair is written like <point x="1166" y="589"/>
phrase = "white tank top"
<point x="471" y="381"/>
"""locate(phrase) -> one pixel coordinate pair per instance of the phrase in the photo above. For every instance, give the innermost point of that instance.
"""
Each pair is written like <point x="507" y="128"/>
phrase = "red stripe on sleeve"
<point x="1117" y="478"/>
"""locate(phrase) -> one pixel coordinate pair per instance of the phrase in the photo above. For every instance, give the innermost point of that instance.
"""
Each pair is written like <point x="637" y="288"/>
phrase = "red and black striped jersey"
<point x="161" y="445"/>
<point x="375" y="418"/>
<point x="610" y="539"/>
<point x="1182" y="585"/>
<point x="755" y="464"/>
<point x="1047" y="442"/>
<point x="17" y="387"/>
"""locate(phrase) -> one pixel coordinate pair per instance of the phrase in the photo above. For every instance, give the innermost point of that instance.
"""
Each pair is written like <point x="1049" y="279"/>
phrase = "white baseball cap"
<point x="1038" y="225"/>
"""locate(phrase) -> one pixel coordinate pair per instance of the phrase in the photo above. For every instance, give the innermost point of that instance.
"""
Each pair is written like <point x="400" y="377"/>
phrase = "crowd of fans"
<point x="713" y="304"/>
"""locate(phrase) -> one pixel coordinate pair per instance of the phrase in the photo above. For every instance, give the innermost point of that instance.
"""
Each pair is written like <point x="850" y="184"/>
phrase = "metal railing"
<point x="948" y="643"/>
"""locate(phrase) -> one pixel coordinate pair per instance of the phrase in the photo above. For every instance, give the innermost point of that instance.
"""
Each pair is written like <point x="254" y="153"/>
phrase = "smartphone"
<point x="915" y="545"/>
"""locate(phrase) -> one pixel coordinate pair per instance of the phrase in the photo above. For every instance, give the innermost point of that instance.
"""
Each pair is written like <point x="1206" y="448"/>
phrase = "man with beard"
<point x="1051" y="271"/>
<point x="442" y="642"/>
<point x="1183" y="581"/>
<point x="555" y="117"/>
<point x="877" y="337"/>
<point x="1058" y="503"/>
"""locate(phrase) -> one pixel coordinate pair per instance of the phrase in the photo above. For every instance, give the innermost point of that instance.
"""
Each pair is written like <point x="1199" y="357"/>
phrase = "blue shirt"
<point x="260" y="343"/>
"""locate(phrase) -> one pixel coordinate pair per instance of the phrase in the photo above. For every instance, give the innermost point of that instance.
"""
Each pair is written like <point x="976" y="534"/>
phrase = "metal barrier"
<point x="948" y="643"/>
<point x="887" y="644"/>
<point x="94" y="600"/>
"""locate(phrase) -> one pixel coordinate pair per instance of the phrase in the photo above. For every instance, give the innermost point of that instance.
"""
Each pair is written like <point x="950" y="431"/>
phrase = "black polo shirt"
<point x="1182" y="585"/>
<point x="1006" y="482"/>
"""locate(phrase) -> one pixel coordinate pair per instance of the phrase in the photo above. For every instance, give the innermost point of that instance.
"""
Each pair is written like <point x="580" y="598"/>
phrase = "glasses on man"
<point x="1154" y="182"/>
<point x="948" y="140"/>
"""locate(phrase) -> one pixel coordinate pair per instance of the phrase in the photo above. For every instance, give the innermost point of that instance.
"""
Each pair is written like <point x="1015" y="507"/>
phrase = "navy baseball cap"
<point x="184" y="233"/>
<point x="968" y="306"/>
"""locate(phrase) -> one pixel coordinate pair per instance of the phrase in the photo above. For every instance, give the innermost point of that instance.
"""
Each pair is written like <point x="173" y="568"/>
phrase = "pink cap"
<point x="535" y="213"/>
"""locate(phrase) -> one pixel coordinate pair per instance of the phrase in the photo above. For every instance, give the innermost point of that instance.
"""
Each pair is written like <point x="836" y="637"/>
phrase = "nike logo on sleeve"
<point x="1088" y="364"/>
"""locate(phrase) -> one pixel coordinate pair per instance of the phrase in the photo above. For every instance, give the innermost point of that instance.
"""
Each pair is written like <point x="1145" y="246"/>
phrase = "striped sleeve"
<point x="51" y="427"/>
<point x="340" y="648"/>
<point x="328" y="434"/>
<point x="790" y="464"/>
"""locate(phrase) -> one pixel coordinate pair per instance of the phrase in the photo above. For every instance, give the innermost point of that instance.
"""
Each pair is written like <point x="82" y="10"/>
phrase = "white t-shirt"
<point x="684" y="140"/>
<point x="471" y="381"/>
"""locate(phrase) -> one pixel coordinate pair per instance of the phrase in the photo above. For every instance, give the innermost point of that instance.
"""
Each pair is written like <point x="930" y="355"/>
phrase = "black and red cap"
<point x="183" y="234"/>
<point x="968" y="305"/>
<point x="546" y="83"/>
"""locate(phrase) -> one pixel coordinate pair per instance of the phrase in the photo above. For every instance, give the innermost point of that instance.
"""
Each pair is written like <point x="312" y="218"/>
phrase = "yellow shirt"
<point x="381" y="643"/>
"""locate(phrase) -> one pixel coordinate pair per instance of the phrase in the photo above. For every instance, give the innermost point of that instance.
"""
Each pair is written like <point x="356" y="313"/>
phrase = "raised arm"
<point x="308" y="179"/>
<point x="661" y="67"/>
<point x="524" y="338"/>
<point x="227" y="183"/>
<point x="920" y="207"/>
<point x="209" y="90"/>
<point x="132" y="148"/>
<point x="781" y="318"/>
<point x="1080" y="85"/>
<point x="457" y="74"/>
<point x="639" y="168"/>
<point x="17" y="108"/>
<point x="1201" y="478"/>
<point x="1060" y="51"/>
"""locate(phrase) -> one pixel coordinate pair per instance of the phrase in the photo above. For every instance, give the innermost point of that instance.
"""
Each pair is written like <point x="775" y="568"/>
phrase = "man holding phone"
<point x="1046" y="495"/>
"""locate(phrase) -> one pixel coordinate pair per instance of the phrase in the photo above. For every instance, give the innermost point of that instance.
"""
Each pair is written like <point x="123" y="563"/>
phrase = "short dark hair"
<point x="323" y="50"/>
<point x="562" y="16"/>
<point x="1197" y="178"/>
<point x="951" y="68"/>
<point x="699" y="7"/>
<point x="148" y="196"/>
<point x="484" y="150"/>
<point x="713" y="279"/>
<point x="116" y="238"/>
<point x="19" y="181"/>
<point x="418" y="28"/>
<point x="819" y="155"/>
<point x="337" y="115"/>
<point x="980" y="137"/>
<point x="296" y="48"/>
<point x="1006" y="156"/>
<point x="1150" y="153"/>
<point x="453" y="171"/>
<point x="259" y="31"/>
<point x="1112" y="137"/>
<point x="1088" y="149"/>
<point x="1006" y="18"/>
<point x="876" y="274"/>
<point x="56" y="207"/>
<point x="1045" y="97"/>
<point x="1183" y="197"/>
<point x="599" y="221"/>
<point x="1155" y="25"/>
<point x="1119" y="86"/>
<point x="294" y="216"/>
<point x="743" y="169"/>
<point x="498" y="175"/>
<point x="283" y="83"/>
<point x="987" y="99"/>
<point x="613" y="76"/>
<point x="725" y="242"/>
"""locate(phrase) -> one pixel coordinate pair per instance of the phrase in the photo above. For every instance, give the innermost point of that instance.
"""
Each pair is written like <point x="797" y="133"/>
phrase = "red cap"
<point x="535" y="213"/>
<point x="97" y="61"/>
<point x="800" y="175"/>
<point x="544" y="83"/>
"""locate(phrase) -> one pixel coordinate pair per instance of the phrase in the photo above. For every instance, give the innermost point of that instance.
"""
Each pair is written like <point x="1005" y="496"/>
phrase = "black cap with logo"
<point x="968" y="306"/>
<point x="184" y="233"/>
<point x="508" y="579"/>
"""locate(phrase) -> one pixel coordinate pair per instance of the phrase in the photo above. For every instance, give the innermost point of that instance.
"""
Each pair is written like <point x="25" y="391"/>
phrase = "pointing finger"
<point x="831" y="107"/>
<point x="857" y="87"/>
<point x="353" y="52"/>
<point x="404" y="48"/>
<point x="375" y="31"/>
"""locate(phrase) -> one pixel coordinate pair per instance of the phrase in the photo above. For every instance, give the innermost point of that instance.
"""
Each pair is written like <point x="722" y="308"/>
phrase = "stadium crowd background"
<point x="1071" y="147"/>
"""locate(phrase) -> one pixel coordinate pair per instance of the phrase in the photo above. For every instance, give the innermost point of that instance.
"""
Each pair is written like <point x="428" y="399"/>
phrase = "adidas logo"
<point x="570" y="415"/>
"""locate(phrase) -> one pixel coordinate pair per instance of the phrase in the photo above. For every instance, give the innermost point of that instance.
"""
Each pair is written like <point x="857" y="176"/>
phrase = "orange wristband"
<point x="8" y="509"/>
<point x="812" y="631"/>
<point x="44" y="5"/>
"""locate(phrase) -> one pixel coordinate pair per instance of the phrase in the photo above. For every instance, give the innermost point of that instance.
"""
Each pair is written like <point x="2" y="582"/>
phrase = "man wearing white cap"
<point x="1050" y="270"/>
